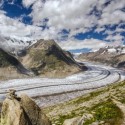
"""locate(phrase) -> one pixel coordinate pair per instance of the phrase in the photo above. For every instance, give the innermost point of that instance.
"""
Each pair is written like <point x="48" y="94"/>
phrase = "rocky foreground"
<point x="105" y="106"/>
<point x="22" y="111"/>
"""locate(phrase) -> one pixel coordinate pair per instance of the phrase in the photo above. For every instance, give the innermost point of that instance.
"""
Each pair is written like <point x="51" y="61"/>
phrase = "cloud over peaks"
<point x="51" y="18"/>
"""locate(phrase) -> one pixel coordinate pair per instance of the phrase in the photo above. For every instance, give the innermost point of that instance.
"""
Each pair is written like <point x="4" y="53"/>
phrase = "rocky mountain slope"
<point x="105" y="106"/>
<point x="46" y="58"/>
<point x="114" y="56"/>
<point x="29" y="58"/>
<point x="11" y="67"/>
<point x="21" y="111"/>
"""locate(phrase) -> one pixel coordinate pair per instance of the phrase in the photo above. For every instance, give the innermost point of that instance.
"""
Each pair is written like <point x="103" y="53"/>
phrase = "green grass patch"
<point x="62" y="118"/>
<point x="105" y="111"/>
<point x="108" y="112"/>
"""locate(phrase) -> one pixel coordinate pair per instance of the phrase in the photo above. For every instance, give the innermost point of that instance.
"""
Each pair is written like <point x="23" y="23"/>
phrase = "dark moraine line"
<point x="57" y="85"/>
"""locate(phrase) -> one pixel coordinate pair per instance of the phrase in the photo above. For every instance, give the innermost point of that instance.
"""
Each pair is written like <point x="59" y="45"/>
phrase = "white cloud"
<point x="116" y="31"/>
<point x="119" y="30"/>
<point x="13" y="27"/>
<point x="116" y="43"/>
<point x="77" y="16"/>
<point x="100" y="29"/>
<point x="74" y="14"/>
<point x="73" y="44"/>
<point x="50" y="33"/>
<point x="1" y="3"/>
<point x="112" y="13"/>
<point x="111" y="18"/>
<point x="28" y="3"/>
<point x="64" y="14"/>
<point x="116" y="38"/>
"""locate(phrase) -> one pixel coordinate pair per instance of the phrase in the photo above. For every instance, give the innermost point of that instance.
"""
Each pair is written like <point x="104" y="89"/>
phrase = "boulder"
<point x="78" y="120"/>
<point x="22" y="111"/>
<point x="73" y="121"/>
<point x="33" y="111"/>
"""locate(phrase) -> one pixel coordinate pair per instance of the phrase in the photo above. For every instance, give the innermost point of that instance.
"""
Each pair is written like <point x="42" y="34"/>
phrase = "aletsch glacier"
<point x="67" y="88"/>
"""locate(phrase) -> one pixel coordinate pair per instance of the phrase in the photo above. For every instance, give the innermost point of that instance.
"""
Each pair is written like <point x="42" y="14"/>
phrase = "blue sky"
<point x="78" y="26"/>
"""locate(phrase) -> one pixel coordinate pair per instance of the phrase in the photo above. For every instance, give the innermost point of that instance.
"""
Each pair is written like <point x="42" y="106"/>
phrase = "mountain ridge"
<point x="41" y="57"/>
<point x="113" y="56"/>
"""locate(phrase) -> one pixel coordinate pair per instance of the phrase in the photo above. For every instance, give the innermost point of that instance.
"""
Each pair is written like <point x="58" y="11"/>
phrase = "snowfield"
<point x="47" y="91"/>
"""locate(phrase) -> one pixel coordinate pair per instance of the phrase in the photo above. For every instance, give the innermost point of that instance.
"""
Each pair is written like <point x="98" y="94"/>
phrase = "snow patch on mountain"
<point x="112" y="50"/>
<point x="118" y="50"/>
<point x="13" y="45"/>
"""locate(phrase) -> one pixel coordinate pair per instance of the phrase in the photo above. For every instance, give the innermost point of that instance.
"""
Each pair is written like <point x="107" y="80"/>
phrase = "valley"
<point x="62" y="62"/>
<point x="50" y="91"/>
<point x="55" y="80"/>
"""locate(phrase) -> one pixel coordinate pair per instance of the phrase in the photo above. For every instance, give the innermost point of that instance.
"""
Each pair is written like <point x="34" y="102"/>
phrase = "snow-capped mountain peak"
<point x="15" y="46"/>
<point x="117" y="50"/>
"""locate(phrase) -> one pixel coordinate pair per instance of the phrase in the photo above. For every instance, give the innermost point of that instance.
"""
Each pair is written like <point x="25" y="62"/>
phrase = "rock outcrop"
<point x="78" y="120"/>
<point x="22" y="111"/>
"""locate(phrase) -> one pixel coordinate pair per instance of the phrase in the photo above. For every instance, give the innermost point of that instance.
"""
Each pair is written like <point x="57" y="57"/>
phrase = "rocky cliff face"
<point x="22" y="111"/>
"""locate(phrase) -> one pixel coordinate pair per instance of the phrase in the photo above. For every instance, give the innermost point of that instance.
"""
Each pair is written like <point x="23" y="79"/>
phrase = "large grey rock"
<point x="33" y="111"/>
<point x="22" y="111"/>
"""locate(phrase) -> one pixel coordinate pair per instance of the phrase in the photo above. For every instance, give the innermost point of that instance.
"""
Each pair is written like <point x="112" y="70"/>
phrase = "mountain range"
<point x="45" y="58"/>
<point x="110" y="55"/>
